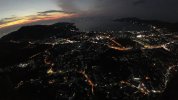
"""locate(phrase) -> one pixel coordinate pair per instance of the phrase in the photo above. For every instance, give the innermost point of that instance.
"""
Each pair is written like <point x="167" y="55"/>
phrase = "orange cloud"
<point x="34" y="18"/>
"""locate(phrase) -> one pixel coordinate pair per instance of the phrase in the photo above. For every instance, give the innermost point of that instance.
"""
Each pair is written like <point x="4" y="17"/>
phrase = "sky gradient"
<point x="10" y="8"/>
<point x="23" y="12"/>
<point x="16" y="13"/>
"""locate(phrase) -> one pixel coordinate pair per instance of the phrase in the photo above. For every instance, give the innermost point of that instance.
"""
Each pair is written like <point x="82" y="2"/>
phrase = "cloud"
<point x="152" y="9"/>
<point x="53" y="11"/>
<point x="137" y="2"/>
<point x="91" y="7"/>
<point x="9" y="19"/>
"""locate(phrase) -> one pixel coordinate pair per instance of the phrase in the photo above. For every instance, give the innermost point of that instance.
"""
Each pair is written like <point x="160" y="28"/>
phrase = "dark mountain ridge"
<point x="39" y="32"/>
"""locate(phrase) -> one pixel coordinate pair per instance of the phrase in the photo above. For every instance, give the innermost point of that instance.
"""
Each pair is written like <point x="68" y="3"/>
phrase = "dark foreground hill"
<point x="17" y="47"/>
<point x="58" y="62"/>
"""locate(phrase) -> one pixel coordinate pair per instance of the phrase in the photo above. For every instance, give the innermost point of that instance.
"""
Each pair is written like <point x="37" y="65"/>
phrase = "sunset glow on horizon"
<point x="35" y="18"/>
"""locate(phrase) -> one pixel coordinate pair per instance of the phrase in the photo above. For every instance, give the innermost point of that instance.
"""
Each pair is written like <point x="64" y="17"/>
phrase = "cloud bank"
<point x="151" y="9"/>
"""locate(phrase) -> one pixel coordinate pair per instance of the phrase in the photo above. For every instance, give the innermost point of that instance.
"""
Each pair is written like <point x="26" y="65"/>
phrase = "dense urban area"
<point x="59" y="61"/>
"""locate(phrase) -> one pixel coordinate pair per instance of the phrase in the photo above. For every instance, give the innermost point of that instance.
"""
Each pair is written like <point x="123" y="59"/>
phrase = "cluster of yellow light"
<point x="50" y="71"/>
<point x="35" y="18"/>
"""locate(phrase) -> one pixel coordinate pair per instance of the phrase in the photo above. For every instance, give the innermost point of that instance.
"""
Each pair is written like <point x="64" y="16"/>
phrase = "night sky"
<point x="15" y="13"/>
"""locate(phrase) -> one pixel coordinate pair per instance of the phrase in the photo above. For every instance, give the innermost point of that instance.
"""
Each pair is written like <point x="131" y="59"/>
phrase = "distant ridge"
<point x="162" y="24"/>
